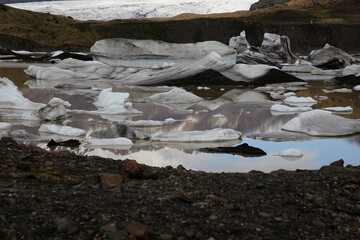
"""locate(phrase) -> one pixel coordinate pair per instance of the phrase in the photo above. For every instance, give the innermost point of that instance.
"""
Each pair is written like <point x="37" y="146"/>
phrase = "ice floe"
<point x="322" y="123"/>
<point x="342" y="110"/>
<point x="276" y="136"/>
<point x="300" y="101"/>
<point x="357" y="88"/>
<point x="117" y="143"/>
<point x="110" y="102"/>
<point x="12" y="98"/>
<point x="339" y="90"/>
<point x="147" y="53"/>
<point x="279" y="109"/>
<point x="61" y="130"/>
<point x="291" y="152"/>
<point x="216" y="134"/>
<point x="150" y="123"/>
<point x="54" y="110"/>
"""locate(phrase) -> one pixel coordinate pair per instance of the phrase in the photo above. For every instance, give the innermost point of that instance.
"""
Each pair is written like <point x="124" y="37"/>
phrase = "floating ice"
<point x="278" y="109"/>
<point x="351" y="70"/>
<point x="340" y="90"/>
<point x="291" y="152"/>
<point x="114" y="103"/>
<point x="300" y="101"/>
<point x="149" y="123"/>
<point x="357" y="88"/>
<point x="175" y="95"/>
<point x="216" y="134"/>
<point x="5" y="126"/>
<point x="12" y="98"/>
<point x="54" y="110"/>
<point x="330" y="57"/>
<point x="147" y="53"/>
<point x="322" y="123"/>
<point x="219" y="115"/>
<point x="347" y="109"/>
<point x="120" y="142"/>
<point x="61" y="130"/>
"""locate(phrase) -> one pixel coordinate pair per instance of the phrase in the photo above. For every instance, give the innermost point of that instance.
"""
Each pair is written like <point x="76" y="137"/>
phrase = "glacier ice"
<point x="322" y="123"/>
<point x="54" y="110"/>
<point x="216" y="134"/>
<point x="61" y="130"/>
<point x="147" y="53"/>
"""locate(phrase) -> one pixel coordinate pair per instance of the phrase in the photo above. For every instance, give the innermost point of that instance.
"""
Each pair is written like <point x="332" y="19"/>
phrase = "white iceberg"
<point x="339" y="90"/>
<point x="61" y="130"/>
<point x="300" y="101"/>
<point x="322" y="123"/>
<point x="357" y="88"/>
<point x="110" y="102"/>
<point x="217" y="134"/>
<point x="118" y="143"/>
<point x="351" y="70"/>
<point x="12" y="98"/>
<point x="54" y="110"/>
<point x="147" y="53"/>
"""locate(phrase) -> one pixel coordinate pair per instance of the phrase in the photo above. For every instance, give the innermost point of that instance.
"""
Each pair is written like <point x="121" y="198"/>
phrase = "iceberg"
<point x="300" y="101"/>
<point x="54" y="110"/>
<point x="212" y="69"/>
<point x="147" y="53"/>
<point x="110" y="102"/>
<point x="61" y="130"/>
<point x="12" y="98"/>
<point x="150" y="123"/>
<point x="216" y="134"/>
<point x="322" y="123"/>
<point x="118" y="143"/>
<point x="278" y="109"/>
<point x="174" y="96"/>
<point x="330" y="57"/>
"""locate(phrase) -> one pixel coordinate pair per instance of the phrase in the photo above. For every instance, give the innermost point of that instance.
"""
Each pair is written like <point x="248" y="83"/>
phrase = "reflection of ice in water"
<point x="231" y="102"/>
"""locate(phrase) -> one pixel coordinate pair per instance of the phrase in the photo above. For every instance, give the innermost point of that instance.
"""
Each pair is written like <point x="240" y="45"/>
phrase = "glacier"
<point x="124" y="9"/>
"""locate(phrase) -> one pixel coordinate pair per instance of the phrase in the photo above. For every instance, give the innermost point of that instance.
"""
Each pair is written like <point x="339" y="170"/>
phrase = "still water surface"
<point x="239" y="116"/>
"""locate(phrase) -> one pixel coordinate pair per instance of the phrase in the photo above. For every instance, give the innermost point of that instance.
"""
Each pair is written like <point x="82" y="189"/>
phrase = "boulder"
<point x="267" y="4"/>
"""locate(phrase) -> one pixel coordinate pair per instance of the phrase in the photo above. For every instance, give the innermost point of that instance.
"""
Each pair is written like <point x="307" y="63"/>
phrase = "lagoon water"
<point x="226" y="114"/>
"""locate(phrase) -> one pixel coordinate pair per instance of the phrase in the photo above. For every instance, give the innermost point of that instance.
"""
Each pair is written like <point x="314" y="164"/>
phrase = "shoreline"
<point x="62" y="195"/>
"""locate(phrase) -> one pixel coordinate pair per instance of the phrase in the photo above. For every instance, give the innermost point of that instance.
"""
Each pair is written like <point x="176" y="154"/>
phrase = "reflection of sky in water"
<point x="317" y="152"/>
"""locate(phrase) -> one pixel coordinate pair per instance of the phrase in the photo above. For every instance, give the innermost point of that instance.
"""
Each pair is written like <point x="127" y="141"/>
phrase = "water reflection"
<point x="242" y="109"/>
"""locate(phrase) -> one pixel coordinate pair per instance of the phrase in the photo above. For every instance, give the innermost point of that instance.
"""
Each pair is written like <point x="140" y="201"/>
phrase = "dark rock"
<point x="64" y="224"/>
<point x="243" y="149"/>
<point x="267" y="4"/>
<point x="338" y="163"/>
<point x="111" y="179"/>
<point x="139" y="230"/>
<point x="132" y="169"/>
<point x="73" y="143"/>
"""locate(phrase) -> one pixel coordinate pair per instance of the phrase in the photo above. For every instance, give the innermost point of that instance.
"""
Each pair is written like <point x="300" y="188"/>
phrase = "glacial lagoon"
<point x="222" y="107"/>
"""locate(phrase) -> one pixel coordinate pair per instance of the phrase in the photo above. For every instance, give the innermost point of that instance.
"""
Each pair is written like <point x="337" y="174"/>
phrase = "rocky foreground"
<point x="48" y="195"/>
